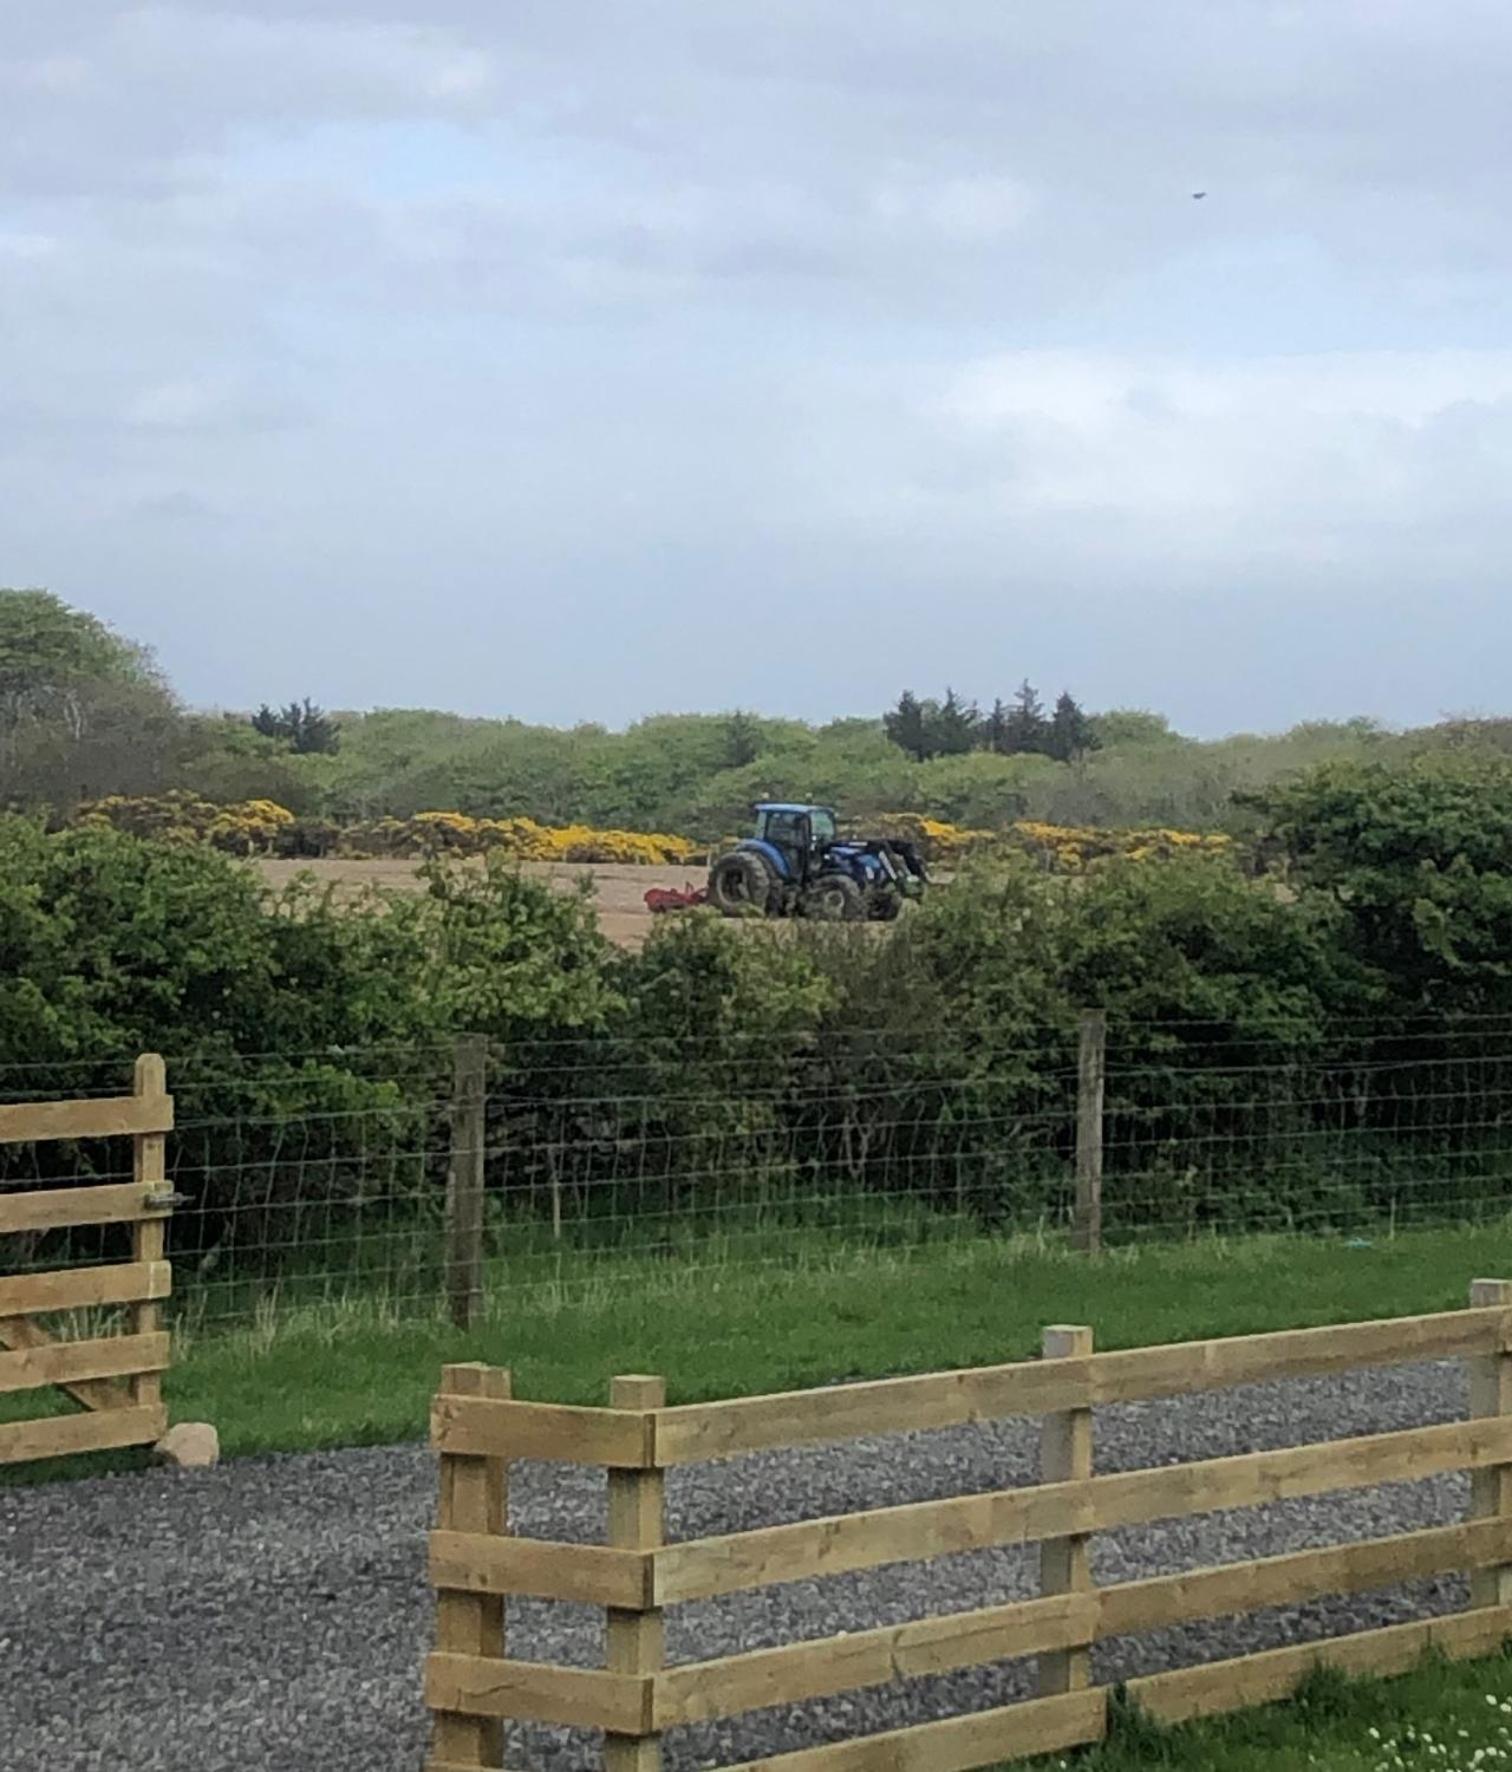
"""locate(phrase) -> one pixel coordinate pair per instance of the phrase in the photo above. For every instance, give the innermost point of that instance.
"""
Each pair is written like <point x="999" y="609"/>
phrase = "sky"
<point x="577" y="361"/>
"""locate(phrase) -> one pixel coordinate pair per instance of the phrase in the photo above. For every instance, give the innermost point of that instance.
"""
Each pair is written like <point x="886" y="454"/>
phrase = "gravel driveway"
<point x="271" y="1615"/>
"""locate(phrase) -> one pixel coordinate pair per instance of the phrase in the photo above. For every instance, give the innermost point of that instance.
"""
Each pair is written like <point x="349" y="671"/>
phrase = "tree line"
<point x="86" y="713"/>
<point x="1020" y="727"/>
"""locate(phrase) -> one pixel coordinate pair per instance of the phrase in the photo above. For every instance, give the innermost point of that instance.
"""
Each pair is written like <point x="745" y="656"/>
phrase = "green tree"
<point x="954" y="727"/>
<point x="1132" y="726"/>
<point x="1417" y="861"/>
<point x="315" y="733"/>
<point x="301" y="727"/>
<point x="1070" y="734"/>
<point x="907" y="726"/>
<point x="743" y="738"/>
<point x="1026" y="728"/>
<point x="83" y="711"/>
<point x="53" y="658"/>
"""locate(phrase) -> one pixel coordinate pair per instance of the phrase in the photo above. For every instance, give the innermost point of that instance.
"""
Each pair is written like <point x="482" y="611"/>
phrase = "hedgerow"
<point x="725" y="1069"/>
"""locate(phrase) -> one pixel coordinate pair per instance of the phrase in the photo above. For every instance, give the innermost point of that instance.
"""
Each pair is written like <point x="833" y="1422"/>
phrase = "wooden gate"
<point x="117" y="1378"/>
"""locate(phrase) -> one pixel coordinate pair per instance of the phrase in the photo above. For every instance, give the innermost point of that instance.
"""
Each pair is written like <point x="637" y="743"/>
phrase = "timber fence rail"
<point x="473" y="1685"/>
<point x="116" y="1378"/>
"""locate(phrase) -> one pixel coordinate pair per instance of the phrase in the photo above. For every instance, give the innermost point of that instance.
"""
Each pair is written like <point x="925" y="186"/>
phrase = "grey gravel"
<point x="271" y="1615"/>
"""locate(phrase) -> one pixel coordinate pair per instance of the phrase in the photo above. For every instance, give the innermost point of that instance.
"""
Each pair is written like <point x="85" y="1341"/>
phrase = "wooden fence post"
<point x="1491" y="1488"/>
<point x="464" y="1189"/>
<point x="1091" y="1083"/>
<point x="1065" y="1456"/>
<point x="474" y="1498"/>
<point x="149" y="1235"/>
<point x="636" y="1522"/>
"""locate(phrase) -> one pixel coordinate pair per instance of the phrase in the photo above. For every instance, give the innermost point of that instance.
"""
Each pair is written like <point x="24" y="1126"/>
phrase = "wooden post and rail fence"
<point x="474" y="1683"/>
<point x="116" y="1378"/>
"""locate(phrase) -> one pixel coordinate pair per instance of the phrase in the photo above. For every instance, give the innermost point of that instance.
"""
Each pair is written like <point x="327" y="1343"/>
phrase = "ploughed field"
<point x="619" y="888"/>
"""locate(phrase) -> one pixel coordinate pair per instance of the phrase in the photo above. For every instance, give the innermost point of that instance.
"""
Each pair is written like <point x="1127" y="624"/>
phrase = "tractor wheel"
<point x="886" y="905"/>
<point x="835" y="898"/>
<point x="741" y="884"/>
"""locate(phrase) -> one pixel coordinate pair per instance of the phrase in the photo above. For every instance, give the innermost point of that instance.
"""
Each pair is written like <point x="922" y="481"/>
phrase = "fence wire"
<point x="324" y="1175"/>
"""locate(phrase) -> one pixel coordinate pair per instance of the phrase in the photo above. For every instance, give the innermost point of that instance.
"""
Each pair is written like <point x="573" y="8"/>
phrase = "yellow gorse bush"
<point x="262" y="827"/>
<point x="523" y="839"/>
<point x="1063" y="848"/>
<point x="251" y="827"/>
<point x="939" y="842"/>
<point x="1070" y="848"/>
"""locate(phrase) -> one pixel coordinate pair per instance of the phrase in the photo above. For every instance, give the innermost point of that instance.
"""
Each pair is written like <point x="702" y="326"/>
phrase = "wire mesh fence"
<point x="344" y="1174"/>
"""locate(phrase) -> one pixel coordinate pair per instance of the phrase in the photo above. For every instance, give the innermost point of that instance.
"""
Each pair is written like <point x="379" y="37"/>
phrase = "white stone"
<point x="191" y="1445"/>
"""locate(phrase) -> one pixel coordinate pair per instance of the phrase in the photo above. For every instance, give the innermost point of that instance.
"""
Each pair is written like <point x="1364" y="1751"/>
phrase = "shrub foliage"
<point x="752" y="1072"/>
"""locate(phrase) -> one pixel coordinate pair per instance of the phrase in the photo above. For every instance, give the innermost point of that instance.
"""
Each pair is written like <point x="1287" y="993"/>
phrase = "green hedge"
<point x="1322" y="1048"/>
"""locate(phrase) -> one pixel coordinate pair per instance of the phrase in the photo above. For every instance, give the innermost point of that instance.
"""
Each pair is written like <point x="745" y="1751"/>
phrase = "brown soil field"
<point x="618" y="888"/>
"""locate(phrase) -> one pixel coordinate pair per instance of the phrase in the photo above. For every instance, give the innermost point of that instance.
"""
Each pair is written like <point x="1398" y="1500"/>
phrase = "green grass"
<point x="1451" y="1716"/>
<point x="306" y="1376"/>
<point x="340" y="1375"/>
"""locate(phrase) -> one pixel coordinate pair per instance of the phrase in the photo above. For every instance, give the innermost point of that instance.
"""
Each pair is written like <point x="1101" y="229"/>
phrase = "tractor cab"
<point x="799" y="834"/>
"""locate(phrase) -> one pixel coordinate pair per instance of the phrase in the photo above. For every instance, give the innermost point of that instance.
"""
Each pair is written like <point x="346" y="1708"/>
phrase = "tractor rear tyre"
<point x="834" y="899"/>
<point x="741" y="884"/>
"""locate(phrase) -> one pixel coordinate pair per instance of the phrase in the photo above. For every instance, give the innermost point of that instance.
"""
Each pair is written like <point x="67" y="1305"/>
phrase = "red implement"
<point x="671" y="898"/>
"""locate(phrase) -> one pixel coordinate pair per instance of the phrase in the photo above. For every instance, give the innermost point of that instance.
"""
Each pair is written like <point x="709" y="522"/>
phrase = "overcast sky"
<point x="578" y="359"/>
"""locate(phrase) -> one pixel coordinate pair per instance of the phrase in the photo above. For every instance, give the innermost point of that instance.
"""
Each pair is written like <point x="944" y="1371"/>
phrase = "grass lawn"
<point x="1455" y="1717"/>
<point x="310" y="1376"/>
<point x="354" y="1374"/>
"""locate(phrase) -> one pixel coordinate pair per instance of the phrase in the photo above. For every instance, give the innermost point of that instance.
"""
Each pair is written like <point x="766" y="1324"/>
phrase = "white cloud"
<point x="57" y="75"/>
<point x="604" y="305"/>
<point x="198" y="404"/>
<point x="1245" y="460"/>
<point x="974" y="209"/>
<point x="27" y="246"/>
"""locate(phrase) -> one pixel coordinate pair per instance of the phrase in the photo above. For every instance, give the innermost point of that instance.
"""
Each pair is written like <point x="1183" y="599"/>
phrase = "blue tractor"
<point x="798" y="865"/>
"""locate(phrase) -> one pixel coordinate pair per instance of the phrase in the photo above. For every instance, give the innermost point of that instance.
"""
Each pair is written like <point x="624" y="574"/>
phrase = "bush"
<point x="119" y="944"/>
<point x="248" y="827"/>
<point x="1417" y="862"/>
<point x="760" y="1072"/>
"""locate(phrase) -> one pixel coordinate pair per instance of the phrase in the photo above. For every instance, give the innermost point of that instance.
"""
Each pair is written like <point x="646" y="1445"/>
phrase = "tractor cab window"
<point x="786" y="830"/>
<point x="823" y="827"/>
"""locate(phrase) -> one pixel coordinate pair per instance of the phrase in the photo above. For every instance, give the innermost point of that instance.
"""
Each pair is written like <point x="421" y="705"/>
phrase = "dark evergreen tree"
<point x="1027" y="729"/>
<point x="301" y="726"/>
<point x="312" y="729"/>
<point x="1071" y="733"/>
<point x="956" y="726"/>
<point x="995" y="728"/>
<point x="907" y="726"/>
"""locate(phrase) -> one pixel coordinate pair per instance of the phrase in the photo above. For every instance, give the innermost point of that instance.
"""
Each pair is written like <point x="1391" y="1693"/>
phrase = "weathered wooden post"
<point x="636" y="1522"/>
<point x="1065" y="1456"/>
<point x="1091" y="1085"/>
<point x="149" y="1235"/>
<point x="474" y="1499"/>
<point x="465" y="1179"/>
<point x="1491" y="1487"/>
